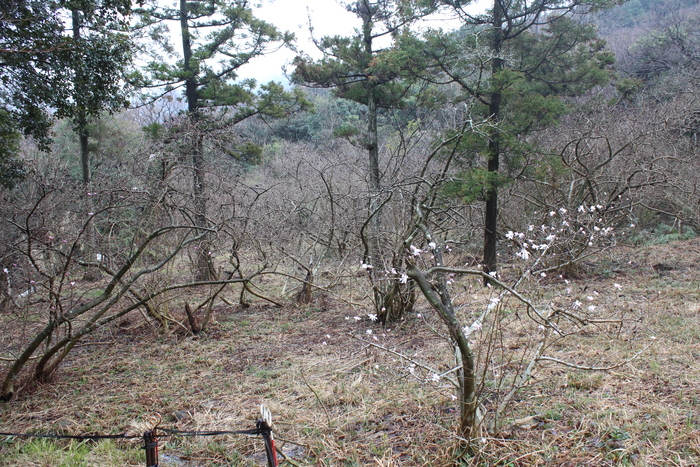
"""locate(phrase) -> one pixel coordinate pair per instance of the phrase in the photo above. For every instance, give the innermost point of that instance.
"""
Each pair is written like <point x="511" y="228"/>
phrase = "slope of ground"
<point x="338" y="401"/>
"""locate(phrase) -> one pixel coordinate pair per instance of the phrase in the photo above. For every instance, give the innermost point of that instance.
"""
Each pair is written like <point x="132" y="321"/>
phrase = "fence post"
<point x="150" y="441"/>
<point x="266" y="431"/>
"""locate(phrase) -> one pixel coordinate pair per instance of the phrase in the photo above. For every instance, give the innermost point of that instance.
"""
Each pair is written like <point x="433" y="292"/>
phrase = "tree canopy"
<point x="513" y="64"/>
<point x="52" y="69"/>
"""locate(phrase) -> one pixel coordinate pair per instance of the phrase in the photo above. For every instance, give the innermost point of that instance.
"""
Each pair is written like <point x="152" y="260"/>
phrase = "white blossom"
<point x="372" y="316"/>
<point x="468" y="330"/>
<point x="524" y="254"/>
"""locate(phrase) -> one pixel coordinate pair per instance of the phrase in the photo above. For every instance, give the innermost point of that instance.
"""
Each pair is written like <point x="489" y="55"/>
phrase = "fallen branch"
<point x="594" y="368"/>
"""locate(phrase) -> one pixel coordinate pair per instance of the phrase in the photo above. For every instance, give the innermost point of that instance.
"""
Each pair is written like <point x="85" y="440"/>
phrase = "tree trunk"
<point x="8" y="385"/>
<point x="81" y="118"/>
<point x="84" y="153"/>
<point x="304" y="295"/>
<point x="494" y="152"/>
<point x="372" y="151"/>
<point x="203" y="268"/>
<point x="440" y="300"/>
<point x="391" y="298"/>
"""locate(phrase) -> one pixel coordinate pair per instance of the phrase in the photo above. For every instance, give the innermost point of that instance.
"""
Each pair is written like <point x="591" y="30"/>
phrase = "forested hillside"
<point x="427" y="247"/>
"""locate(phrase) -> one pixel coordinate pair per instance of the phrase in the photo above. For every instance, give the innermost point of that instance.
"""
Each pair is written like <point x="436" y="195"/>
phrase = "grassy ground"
<point x="339" y="402"/>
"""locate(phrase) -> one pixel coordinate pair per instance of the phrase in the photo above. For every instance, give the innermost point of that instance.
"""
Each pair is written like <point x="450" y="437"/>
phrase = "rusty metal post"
<point x="150" y="441"/>
<point x="266" y="431"/>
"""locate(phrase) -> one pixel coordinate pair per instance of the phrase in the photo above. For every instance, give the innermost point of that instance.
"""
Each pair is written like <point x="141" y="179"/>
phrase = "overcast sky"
<point x="327" y="17"/>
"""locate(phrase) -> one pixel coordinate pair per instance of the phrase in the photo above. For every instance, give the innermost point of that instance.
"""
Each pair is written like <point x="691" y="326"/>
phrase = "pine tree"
<point x="360" y="70"/>
<point x="217" y="39"/>
<point x="52" y="68"/>
<point x="515" y="63"/>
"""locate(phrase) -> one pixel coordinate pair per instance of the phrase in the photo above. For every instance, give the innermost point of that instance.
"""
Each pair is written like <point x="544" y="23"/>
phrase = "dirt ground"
<point x="339" y="401"/>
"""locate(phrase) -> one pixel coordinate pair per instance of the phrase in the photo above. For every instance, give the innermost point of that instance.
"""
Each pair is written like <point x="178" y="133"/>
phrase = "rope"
<point x="151" y="438"/>
<point x="79" y="437"/>
<point x="175" y="432"/>
<point x="169" y="432"/>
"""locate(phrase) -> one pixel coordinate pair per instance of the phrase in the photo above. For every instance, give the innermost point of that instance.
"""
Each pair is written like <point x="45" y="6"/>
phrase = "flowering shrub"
<point x="564" y="238"/>
<point x="500" y="335"/>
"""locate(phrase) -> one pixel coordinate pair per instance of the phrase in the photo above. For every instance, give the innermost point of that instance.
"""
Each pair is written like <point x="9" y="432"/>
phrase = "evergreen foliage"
<point x="52" y="69"/>
<point x="514" y="64"/>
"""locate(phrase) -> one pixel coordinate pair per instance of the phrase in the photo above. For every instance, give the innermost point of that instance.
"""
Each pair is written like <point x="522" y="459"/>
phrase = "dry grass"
<point x="338" y="402"/>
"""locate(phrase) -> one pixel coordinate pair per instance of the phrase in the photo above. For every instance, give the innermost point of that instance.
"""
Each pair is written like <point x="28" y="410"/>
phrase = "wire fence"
<point x="263" y="427"/>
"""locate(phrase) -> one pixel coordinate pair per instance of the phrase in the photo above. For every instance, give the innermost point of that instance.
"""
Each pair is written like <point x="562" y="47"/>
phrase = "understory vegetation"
<point x="337" y="400"/>
<point x="471" y="247"/>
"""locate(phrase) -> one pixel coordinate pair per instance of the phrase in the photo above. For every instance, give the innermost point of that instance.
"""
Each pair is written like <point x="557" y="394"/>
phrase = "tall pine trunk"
<point x="203" y="267"/>
<point x="392" y="298"/>
<point x="81" y="118"/>
<point x="494" y="151"/>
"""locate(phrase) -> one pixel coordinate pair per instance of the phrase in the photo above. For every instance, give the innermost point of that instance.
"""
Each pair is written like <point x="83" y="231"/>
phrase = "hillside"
<point x="339" y="401"/>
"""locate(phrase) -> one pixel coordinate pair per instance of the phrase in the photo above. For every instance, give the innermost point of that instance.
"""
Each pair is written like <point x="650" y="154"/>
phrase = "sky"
<point x="327" y="17"/>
